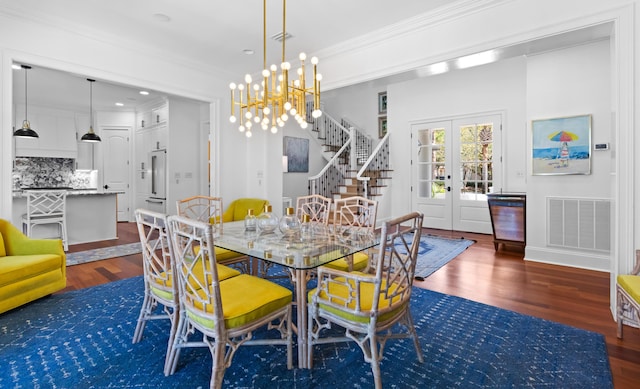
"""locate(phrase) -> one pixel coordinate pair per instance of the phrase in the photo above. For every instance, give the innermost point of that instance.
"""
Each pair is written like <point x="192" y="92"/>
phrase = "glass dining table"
<point x="299" y="256"/>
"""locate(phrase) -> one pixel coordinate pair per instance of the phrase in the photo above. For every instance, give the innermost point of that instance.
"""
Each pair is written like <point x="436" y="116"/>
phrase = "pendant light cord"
<point x="90" y="104"/>
<point x="25" y="92"/>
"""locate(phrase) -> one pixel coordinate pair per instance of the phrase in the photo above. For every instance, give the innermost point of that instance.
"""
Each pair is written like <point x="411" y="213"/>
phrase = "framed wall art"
<point x="561" y="146"/>
<point x="382" y="103"/>
<point x="382" y="126"/>
<point x="297" y="152"/>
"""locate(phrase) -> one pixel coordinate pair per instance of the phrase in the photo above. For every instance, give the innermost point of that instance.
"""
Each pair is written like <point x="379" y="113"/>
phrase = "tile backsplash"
<point x="51" y="172"/>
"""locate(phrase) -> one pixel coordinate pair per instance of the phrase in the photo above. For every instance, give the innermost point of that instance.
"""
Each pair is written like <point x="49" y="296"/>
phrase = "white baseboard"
<point x="582" y="259"/>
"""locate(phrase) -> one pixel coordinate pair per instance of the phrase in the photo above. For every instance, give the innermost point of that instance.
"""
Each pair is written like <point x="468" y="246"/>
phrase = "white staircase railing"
<point x="376" y="165"/>
<point x="335" y="136"/>
<point x="353" y="149"/>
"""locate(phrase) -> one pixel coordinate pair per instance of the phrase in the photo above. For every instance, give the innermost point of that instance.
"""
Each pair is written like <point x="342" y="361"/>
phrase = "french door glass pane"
<point x="476" y="161"/>
<point x="431" y="166"/>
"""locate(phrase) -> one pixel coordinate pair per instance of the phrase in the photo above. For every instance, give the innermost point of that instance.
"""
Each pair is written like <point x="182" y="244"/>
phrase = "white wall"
<point x="185" y="162"/>
<point x="297" y="184"/>
<point x="563" y="83"/>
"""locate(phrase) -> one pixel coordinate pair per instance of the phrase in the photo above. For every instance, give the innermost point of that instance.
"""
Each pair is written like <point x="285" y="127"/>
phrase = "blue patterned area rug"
<point x="82" y="339"/>
<point x="121" y="250"/>
<point x="435" y="252"/>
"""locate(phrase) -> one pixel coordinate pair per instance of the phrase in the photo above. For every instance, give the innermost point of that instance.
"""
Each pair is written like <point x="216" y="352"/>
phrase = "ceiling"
<point x="214" y="34"/>
<point x="207" y="33"/>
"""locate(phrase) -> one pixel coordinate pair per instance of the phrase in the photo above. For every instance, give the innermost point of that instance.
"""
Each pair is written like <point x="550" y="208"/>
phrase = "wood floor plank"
<point x="574" y="297"/>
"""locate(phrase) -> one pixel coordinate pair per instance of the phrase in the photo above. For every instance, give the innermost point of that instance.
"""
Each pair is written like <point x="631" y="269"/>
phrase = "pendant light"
<point x="25" y="131"/>
<point x="90" y="136"/>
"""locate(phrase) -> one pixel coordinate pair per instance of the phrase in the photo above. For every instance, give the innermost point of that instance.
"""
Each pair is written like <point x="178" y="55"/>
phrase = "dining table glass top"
<point x="309" y="251"/>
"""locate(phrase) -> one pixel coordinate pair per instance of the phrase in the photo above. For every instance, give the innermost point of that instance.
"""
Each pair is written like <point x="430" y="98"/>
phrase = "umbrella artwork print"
<point x="561" y="145"/>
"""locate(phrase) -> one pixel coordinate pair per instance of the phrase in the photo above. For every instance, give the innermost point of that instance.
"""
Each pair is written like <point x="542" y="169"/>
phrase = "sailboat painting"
<point x="561" y="145"/>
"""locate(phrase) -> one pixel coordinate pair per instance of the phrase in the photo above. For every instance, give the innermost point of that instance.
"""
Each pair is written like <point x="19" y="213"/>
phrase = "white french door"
<point x="455" y="164"/>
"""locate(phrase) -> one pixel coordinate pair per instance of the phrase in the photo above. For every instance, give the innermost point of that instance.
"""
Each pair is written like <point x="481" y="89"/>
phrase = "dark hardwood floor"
<point x="575" y="297"/>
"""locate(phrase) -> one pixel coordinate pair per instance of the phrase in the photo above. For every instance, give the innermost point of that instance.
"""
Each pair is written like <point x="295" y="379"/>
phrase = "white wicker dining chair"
<point x="160" y="286"/>
<point x="226" y="312"/>
<point x="316" y="206"/>
<point x="209" y="209"/>
<point x="353" y="216"/>
<point x="369" y="306"/>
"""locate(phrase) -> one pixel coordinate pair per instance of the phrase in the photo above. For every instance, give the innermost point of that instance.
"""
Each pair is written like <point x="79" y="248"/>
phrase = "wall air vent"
<point x="579" y="223"/>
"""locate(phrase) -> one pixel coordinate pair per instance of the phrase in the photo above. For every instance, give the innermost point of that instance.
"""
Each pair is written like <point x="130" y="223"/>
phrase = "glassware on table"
<point x="250" y="221"/>
<point x="267" y="221"/>
<point x="306" y="229"/>
<point x="289" y="223"/>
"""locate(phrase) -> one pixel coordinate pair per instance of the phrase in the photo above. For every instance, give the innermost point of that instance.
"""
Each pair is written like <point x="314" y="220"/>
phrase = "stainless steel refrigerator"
<point x="158" y="197"/>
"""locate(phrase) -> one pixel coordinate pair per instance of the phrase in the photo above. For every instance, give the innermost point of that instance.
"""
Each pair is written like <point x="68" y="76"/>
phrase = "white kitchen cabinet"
<point x="143" y="119"/>
<point x="160" y="114"/>
<point x="84" y="159"/>
<point x="57" y="134"/>
<point x="158" y="137"/>
<point x="142" y="166"/>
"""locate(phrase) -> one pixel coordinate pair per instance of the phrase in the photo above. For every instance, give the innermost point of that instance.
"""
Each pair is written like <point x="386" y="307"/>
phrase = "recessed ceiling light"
<point x="248" y="51"/>
<point x="16" y="66"/>
<point x="161" y="17"/>
<point x="144" y="92"/>
<point x="119" y="105"/>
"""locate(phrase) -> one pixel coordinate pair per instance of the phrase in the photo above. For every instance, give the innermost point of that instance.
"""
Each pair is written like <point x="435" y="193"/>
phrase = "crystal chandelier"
<point x="271" y="101"/>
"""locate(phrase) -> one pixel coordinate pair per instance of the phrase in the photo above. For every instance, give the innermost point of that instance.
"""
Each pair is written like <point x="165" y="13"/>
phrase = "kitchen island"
<point x="91" y="215"/>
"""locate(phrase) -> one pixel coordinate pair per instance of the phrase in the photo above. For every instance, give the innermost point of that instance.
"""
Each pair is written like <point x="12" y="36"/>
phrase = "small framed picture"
<point x="382" y="103"/>
<point x="382" y="126"/>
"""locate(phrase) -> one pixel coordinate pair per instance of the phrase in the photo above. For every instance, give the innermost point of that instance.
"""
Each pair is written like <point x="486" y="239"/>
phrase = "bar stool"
<point x="46" y="207"/>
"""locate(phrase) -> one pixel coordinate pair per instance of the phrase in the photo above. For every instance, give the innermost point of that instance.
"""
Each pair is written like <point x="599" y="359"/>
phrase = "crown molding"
<point x="109" y="39"/>
<point x="404" y="27"/>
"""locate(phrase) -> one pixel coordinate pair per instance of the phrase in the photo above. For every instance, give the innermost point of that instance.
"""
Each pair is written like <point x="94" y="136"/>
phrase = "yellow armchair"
<point x="29" y="268"/>
<point x="237" y="210"/>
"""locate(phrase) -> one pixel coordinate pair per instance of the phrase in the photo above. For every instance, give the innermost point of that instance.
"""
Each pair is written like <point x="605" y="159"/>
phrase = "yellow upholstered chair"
<point x="238" y="208"/>
<point x="226" y="312"/>
<point x="353" y="216"/>
<point x="29" y="268"/>
<point x="628" y="297"/>
<point x="160" y="286"/>
<point x="209" y="209"/>
<point x="369" y="306"/>
<point x="316" y="206"/>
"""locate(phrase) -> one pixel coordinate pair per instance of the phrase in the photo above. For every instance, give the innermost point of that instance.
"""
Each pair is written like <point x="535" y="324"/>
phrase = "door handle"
<point x="448" y="189"/>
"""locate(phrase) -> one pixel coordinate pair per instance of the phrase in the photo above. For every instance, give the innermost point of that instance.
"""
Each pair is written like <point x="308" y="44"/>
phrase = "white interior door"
<point x="115" y="143"/>
<point x="455" y="164"/>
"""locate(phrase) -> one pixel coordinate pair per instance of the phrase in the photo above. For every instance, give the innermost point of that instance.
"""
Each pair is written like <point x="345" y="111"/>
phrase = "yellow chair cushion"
<point x="223" y="255"/>
<point x="245" y="299"/>
<point x="163" y="287"/>
<point x="360" y="261"/>
<point x="366" y="301"/>
<point x="3" y="252"/>
<point x="631" y="284"/>
<point x="238" y="209"/>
